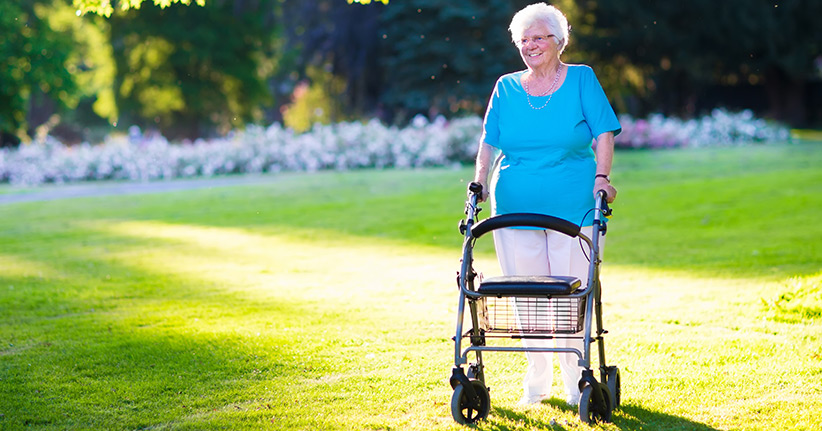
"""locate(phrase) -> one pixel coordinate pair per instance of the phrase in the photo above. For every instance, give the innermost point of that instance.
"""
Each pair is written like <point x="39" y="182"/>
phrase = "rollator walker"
<point x="529" y="307"/>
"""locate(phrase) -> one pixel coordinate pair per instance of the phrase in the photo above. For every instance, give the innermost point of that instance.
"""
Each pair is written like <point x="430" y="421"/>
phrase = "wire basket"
<point x="536" y="316"/>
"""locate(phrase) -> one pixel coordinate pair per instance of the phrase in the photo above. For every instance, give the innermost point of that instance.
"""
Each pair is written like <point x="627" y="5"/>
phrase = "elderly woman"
<point x="543" y="121"/>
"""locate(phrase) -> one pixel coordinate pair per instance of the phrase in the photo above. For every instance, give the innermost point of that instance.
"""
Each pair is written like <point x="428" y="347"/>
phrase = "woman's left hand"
<point x="603" y="184"/>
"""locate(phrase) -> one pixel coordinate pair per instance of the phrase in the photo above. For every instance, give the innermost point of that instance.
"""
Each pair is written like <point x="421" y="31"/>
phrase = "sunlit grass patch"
<point x="800" y="299"/>
<point x="273" y="263"/>
<point x="16" y="266"/>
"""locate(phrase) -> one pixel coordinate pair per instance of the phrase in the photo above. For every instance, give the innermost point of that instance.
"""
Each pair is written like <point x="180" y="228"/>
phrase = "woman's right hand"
<point x="605" y="185"/>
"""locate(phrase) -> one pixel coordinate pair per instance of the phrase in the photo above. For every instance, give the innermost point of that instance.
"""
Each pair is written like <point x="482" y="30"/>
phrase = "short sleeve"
<point x="597" y="110"/>
<point x="490" y="125"/>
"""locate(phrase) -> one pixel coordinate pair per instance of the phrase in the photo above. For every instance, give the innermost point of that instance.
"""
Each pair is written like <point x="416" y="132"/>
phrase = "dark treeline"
<point x="191" y="71"/>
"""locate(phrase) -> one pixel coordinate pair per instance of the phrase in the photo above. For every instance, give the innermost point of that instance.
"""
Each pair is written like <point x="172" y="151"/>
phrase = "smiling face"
<point x="538" y="47"/>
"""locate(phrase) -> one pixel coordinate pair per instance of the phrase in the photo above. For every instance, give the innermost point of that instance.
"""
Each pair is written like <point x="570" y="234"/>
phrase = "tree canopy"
<point x="107" y="7"/>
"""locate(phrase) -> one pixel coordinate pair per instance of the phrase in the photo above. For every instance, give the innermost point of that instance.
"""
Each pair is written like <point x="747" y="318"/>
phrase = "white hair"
<point x="541" y="13"/>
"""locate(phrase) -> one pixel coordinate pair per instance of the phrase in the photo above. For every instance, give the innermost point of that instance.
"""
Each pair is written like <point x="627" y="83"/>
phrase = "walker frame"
<point x="559" y="310"/>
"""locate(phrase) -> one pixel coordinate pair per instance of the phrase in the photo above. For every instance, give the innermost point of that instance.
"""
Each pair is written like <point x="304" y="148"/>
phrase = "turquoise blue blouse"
<point x="548" y="163"/>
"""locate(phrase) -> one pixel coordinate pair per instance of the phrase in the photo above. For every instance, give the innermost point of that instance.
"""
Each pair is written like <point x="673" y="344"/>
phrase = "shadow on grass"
<point x="627" y="417"/>
<point x="67" y="364"/>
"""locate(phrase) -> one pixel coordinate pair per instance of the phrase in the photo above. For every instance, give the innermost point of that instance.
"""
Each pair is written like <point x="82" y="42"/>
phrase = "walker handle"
<point x="525" y="219"/>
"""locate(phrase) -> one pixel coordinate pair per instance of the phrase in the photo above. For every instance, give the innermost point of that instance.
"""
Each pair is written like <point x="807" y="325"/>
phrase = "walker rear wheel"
<point x="461" y="408"/>
<point x="613" y="382"/>
<point x="592" y="412"/>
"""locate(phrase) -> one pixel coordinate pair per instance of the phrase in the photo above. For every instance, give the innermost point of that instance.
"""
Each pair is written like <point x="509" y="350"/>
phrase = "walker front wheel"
<point x="462" y="409"/>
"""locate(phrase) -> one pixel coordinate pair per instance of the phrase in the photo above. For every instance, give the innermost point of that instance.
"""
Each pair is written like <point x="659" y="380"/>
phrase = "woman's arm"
<point x="605" y="158"/>
<point x="485" y="154"/>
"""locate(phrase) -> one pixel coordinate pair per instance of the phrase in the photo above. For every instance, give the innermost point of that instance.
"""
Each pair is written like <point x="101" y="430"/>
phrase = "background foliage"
<point x="189" y="70"/>
<point x="195" y="71"/>
<point x="772" y="49"/>
<point x="33" y="60"/>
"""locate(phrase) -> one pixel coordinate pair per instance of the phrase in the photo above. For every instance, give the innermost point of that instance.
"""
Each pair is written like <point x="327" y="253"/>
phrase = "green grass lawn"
<point x="327" y="301"/>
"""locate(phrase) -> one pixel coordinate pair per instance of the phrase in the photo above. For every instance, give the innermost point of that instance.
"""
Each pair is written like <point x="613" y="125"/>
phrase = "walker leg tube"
<point x="600" y="332"/>
<point x="458" y="359"/>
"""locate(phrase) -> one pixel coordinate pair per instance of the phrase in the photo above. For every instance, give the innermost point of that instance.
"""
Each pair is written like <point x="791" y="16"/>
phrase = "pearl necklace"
<point x="528" y="95"/>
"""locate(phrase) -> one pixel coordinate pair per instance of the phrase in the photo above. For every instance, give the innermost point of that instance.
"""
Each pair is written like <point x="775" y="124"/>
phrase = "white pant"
<point x="546" y="252"/>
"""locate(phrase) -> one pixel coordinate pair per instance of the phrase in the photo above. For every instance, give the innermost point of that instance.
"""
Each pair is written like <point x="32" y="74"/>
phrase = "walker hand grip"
<point x="602" y="196"/>
<point x="475" y="188"/>
<point x="525" y="219"/>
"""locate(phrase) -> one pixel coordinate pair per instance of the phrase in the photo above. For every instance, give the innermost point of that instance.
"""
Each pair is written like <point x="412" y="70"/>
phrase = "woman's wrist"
<point x="606" y="177"/>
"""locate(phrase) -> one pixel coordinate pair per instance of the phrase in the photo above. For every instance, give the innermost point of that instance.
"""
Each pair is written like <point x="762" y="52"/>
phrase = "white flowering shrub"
<point x="719" y="128"/>
<point x="341" y="146"/>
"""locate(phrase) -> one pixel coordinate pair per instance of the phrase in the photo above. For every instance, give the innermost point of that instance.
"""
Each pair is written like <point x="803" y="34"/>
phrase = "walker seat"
<point x="529" y="285"/>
